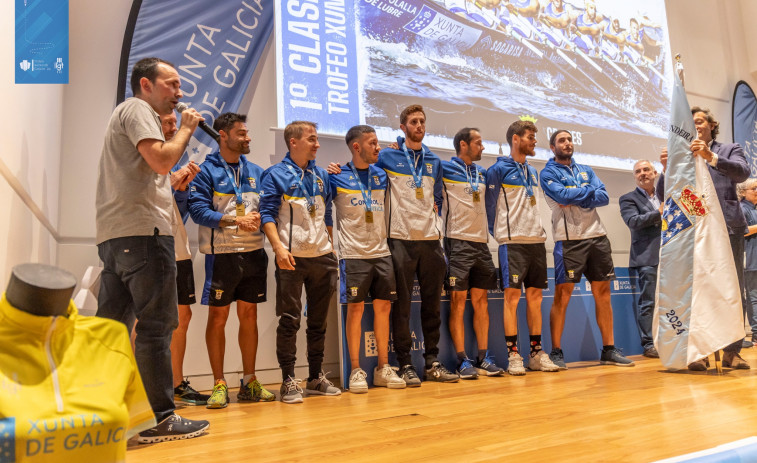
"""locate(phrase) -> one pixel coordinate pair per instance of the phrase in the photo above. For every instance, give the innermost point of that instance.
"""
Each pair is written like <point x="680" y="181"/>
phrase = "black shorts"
<point x="236" y="276"/>
<point x="591" y="257"/>
<point x="469" y="265"/>
<point x="360" y="277"/>
<point x="523" y="265"/>
<point x="185" y="282"/>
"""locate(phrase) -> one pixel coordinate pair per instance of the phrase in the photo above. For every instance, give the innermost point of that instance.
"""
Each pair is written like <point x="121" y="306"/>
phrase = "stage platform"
<point x="590" y="412"/>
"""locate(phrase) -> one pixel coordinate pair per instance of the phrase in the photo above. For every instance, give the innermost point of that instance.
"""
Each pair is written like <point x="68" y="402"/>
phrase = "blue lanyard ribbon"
<point x="526" y="177"/>
<point x="413" y="168"/>
<point x="474" y="181"/>
<point x="310" y="199"/>
<point x="366" y="195"/>
<point x="233" y="180"/>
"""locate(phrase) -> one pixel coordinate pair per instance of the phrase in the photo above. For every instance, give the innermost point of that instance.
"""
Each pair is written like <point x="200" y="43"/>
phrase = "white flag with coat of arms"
<point x="698" y="308"/>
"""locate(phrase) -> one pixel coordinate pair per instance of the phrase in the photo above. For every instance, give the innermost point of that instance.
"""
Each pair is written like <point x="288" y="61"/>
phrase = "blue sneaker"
<point x="487" y="367"/>
<point x="466" y="370"/>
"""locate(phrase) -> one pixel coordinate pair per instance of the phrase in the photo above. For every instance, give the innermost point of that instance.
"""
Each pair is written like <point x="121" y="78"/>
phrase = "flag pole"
<point x="679" y="71"/>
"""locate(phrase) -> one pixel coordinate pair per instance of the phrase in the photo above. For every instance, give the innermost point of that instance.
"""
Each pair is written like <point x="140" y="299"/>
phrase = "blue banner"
<point x="215" y="48"/>
<point x="745" y="123"/>
<point x="317" y="64"/>
<point x="41" y="41"/>
<point x="581" y="339"/>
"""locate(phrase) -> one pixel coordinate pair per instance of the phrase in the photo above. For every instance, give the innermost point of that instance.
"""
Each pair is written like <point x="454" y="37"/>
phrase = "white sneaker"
<point x="540" y="361"/>
<point x="358" y="384"/>
<point x="386" y="376"/>
<point x="515" y="364"/>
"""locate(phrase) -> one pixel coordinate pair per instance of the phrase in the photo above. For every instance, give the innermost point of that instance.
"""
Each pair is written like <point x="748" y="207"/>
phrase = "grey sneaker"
<point x="386" y="376"/>
<point x="173" y="428"/>
<point x="358" y="384"/>
<point x="615" y="357"/>
<point x="321" y="386"/>
<point x="439" y="373"/>
<point x="558" y="359"/>
<point x="487" y="367"/>
<point x="515" y="364"/>
<point x="291" y="392"/>
<point x="408" y="374"/>
<point x="539" y="361"/>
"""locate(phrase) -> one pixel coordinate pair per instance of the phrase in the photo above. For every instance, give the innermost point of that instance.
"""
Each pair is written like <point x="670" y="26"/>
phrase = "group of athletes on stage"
<point x="401" y="213"/>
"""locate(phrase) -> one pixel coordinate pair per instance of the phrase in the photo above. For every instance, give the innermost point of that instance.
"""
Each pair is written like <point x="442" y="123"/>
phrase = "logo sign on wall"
<point x="41" y="42"/>
<point x="745" y="123"/>
<point x="215" y="50"/>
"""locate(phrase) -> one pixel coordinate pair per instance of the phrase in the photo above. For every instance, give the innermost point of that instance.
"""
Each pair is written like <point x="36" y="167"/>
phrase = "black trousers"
<point x="319" y="276"/>
<point x="426" y="260"/>
<point x="737" y="246"/>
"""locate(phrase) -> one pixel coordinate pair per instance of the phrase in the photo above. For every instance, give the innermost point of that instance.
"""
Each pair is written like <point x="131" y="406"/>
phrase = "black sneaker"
<point x="651" y="352"/>
<point x="186" y="393"/>
<point x="439" y="373"/>
<point x="408" y="374"/>
<point x="173" y="428"/>
<point x="615" y="357"/>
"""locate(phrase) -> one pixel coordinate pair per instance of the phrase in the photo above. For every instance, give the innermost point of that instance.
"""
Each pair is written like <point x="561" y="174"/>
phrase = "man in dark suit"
<point x="641" y="211"/>
<point x="728" y="167"/>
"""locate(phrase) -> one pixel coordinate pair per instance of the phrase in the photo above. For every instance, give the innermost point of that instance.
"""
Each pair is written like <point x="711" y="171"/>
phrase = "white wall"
<point x="716" y="57"/>
<point x="30" y="153"/>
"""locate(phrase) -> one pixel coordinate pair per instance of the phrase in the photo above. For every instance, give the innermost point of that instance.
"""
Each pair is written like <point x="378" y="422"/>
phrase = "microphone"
<point x="181" y="107"/>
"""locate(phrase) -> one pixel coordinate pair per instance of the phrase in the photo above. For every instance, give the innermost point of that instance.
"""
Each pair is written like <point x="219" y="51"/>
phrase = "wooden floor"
<point x="587" y="413"/>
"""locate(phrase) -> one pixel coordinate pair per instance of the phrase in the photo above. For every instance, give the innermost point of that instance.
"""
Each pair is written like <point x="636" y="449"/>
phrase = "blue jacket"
<point x="578" y="186"/>
<point x="411" y="218"/>
<point x="212" y="195"/>
<point x="357" y="238"/>
<point x="512" y="216"/>
<point x="645" y="223"/>
<point x="284" y="203"/>
<point x="750" y="242"/>
<point x="464" y="218"/>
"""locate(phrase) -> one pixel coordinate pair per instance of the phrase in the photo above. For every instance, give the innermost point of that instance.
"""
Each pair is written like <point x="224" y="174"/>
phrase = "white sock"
<point x="247" y="378"/>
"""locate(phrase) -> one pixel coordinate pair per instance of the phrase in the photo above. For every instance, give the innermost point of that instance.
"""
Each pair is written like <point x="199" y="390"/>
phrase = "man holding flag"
<point x="697" y="314"/>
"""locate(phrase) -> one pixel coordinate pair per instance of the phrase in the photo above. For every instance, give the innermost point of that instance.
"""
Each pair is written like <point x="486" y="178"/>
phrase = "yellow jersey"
<point x="70" y="389"/>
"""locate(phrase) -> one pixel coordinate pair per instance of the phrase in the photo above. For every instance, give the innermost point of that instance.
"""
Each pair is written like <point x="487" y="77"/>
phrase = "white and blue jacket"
<point x="358" y="239"/>
<point x="464" y="219"/>
<point x="212" y="195"/>
<point x="576" y="186"/>
<point x="411" y="218"/>
<point x="284" y="203"/>
<point x="512" y="216"/>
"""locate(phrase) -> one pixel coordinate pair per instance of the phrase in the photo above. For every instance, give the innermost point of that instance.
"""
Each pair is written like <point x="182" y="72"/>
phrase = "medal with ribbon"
<point x="473" y="182"/>
<point x="308" y="197"/>
<point x="524" y="175"/>
<point x="413" y="166"/>
<point x="234" y="179"/>
<point x="366" y="194"/>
